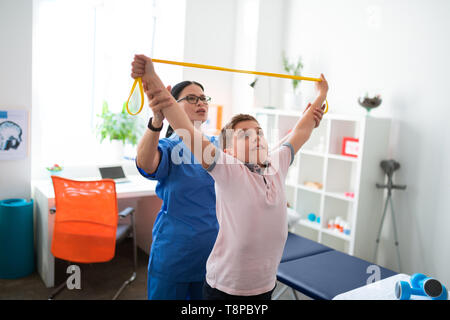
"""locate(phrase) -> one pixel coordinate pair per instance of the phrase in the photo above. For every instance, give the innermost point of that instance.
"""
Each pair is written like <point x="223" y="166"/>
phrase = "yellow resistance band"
<point x="202" y="66"/>
<point x="141" y="90"/>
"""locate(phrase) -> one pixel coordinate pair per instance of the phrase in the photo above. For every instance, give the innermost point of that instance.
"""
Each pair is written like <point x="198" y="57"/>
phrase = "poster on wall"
<point x="13" y="134"/>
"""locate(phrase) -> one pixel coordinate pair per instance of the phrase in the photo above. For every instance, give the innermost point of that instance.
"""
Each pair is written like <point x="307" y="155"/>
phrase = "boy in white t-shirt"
<point x="249" y="183"/>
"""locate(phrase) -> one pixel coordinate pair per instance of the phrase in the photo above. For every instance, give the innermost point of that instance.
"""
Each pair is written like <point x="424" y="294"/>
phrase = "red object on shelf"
<point x="350" y="147"/>
<point x="349" y="194"/>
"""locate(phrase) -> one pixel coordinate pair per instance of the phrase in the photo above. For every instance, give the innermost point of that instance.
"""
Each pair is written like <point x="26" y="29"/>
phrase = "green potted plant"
<point x="54" y="170"/>
<point x="293" y="99"/>
<point x="120" y="128"/>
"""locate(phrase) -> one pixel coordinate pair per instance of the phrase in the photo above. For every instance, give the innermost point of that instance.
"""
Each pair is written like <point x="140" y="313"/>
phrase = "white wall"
<point x="399" y="49"/>
<point x="244" y="34"/>
<point x="15" y="86"/>
<point x="245" y="54"/>
<point x="209" y="39"/>
<point x="270" y="41"/>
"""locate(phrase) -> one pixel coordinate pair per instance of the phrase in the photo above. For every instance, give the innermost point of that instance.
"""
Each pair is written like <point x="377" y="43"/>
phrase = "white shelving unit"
<point x="320" y="161"/>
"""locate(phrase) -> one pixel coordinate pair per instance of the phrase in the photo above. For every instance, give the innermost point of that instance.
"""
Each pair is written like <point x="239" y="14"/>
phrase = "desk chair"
<point x="86" y="227"/>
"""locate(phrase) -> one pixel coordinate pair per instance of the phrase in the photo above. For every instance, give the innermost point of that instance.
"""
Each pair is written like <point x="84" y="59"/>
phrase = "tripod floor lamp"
<point x="389" y="166"/>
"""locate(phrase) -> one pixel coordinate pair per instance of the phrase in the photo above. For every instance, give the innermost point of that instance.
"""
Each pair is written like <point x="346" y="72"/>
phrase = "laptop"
<point x="116" y="173"/>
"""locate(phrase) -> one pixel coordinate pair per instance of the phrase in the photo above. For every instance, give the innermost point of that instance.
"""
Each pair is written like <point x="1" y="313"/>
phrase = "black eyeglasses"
<point x="194" y="99"/>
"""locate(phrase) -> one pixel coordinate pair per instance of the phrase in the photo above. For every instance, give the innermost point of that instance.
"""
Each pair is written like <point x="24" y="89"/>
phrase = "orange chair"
<point x="86" y="227"/>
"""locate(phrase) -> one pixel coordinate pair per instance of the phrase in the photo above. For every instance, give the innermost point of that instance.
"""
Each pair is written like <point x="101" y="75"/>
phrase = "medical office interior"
<point x="65" y="72"/>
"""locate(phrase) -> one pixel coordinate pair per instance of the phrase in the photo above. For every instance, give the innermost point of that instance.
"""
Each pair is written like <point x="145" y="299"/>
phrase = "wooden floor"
<point x="98" y="281"/>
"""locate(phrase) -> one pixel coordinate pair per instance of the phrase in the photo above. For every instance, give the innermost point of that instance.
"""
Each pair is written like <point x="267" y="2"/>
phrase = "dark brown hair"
<point x="226" y="134"/>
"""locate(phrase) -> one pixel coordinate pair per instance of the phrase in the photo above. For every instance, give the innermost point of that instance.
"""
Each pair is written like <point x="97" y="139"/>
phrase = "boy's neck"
<point x="197" y="124"/>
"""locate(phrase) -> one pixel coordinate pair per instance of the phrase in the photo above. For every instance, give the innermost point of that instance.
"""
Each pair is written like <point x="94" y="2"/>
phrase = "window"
<point x="82" y="50"/>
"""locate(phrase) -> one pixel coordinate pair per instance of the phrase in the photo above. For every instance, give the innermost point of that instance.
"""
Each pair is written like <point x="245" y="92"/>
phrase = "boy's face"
<point x="248" y="143"/>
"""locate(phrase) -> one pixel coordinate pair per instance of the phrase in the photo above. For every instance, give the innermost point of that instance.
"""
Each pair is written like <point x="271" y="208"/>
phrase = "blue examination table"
<point x="321" y="272"/>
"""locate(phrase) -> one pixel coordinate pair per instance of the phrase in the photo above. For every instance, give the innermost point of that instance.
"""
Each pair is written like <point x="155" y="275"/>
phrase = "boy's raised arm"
<point x="304" y="127"/>
<point x="161" y="100"/>
<point x="318" y="114"/>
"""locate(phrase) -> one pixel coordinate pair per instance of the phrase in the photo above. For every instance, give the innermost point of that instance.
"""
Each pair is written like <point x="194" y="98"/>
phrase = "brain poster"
<point x="13" y="134"/>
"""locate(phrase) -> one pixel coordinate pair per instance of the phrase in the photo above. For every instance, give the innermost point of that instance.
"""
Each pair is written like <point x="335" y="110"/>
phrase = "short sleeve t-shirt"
<point x="186" y="226"/>
<point x="252" y="215"/>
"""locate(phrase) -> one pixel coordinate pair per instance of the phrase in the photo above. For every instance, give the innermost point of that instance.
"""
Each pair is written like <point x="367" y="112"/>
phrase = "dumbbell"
<point x="421" y="285"/>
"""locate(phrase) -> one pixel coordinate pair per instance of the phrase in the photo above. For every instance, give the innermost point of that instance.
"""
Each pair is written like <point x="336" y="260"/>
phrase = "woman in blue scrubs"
<point x="186" y="226"/>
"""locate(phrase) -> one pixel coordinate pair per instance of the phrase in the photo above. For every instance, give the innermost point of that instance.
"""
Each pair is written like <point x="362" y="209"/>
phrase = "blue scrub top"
<point x="186" y="227"/>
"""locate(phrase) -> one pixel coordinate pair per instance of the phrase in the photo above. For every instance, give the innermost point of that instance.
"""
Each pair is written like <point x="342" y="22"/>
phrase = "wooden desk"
<point x="139" y="190"/>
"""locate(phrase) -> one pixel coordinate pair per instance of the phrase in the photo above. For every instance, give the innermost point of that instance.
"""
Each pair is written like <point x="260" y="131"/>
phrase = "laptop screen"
<point x="112" y="172"/>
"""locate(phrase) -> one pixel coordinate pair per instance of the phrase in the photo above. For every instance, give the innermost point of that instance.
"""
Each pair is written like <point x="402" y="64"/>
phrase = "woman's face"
<point x="195" y="111"/>
<point x="249" y="144"/>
